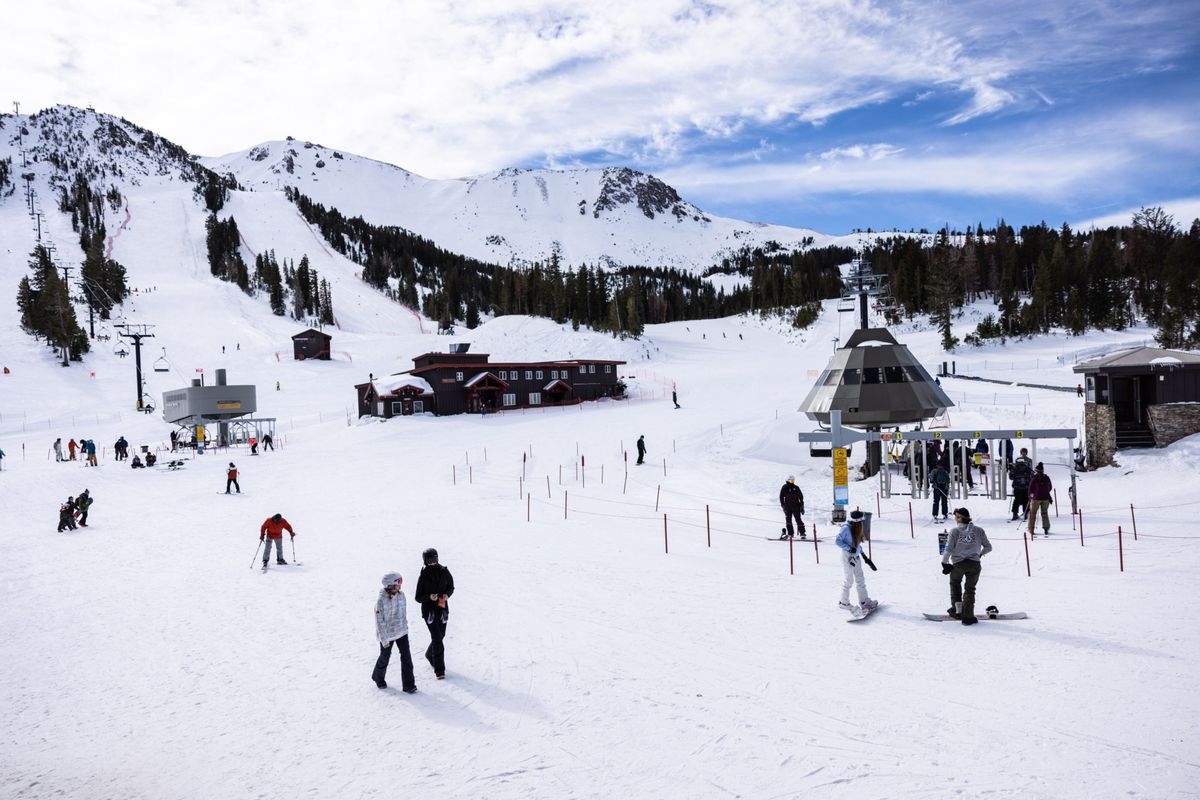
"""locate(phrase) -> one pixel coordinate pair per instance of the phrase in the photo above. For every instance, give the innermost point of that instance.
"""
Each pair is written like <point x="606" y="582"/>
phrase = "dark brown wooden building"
<point x="465" y="383"/>
<point x="1144" y="397"/>
<point x="311" y="343"/>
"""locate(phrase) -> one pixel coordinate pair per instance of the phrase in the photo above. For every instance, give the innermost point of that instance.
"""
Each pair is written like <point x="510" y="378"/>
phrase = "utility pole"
<point x="38" y="214"/>
<point x="87" y="292"/>
<point x="137" y="337"/>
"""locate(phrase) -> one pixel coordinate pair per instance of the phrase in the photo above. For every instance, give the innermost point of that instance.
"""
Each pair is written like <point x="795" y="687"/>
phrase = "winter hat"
<point x="1039" y="467"/>
<point x="277" y="518"/>
<point x="856" y="516"/>
<point x="429" y="556"/>
<point x="791" y="478"/>
<point x="231" y="465"/>
<point x="391" y="579"/>
<point x="962" y="512"/>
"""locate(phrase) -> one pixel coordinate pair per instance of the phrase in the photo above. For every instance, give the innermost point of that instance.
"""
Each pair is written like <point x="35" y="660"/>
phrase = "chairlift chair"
<point x="162" y="365"/>
<point x="119" y="350"/>
<point x="846" y="303"/>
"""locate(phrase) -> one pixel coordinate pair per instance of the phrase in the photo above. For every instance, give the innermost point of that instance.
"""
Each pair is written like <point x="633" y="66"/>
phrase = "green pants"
<point x="1044" y="507"/>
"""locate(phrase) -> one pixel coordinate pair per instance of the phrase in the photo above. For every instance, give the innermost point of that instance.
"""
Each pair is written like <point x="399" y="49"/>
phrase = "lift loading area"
<point x="926" y="448"/>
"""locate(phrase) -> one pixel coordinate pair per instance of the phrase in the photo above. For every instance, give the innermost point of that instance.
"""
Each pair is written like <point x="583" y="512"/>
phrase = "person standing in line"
<point x="1040" y="494"/>
<point x="850" y="539"/>
<point x="58" y="456"/>
<point x="71" y="448"/>
<point x="82" y="504"/>
<point x="641" y="448"/>
<point x="435" y="584"/>
<point x="268" y="443"/>
<point x="231" y="479"/>
<point x="174" y="441"/>
<point x="1021" y="474"/>
<point x="91" y="453"/>
<point x="253" y="446"/>
<point x="966" y="545"/>
<point x="981" y="449"/>
<point x="791" y="500"/>
<point x="272" y="531"/>
<point x="391" y="628"/>
<point x="939" y="480"/>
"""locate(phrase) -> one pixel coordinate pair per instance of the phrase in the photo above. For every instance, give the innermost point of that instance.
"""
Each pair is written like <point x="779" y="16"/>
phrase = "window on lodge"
<point x="509" y="399"/>
<point x="458" y="376"/>
<point x="502" y="375"/>
<point x="608" y="368"/>
<point x="418" y="406"/>
<point x="535" y="398"/>
<point x="397" y="407"/>
<point x="554" y="374"/>
<point x="538" y="375"/>
<point x="592" y="368"/>
<point x="528" y="374"/>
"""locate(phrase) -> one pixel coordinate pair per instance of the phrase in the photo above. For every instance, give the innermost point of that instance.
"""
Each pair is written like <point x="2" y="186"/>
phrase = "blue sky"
<point x="835" y="115"/>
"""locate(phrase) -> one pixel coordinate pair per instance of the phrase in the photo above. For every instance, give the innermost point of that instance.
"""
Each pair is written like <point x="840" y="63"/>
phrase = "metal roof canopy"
<point x="997" y="489"/>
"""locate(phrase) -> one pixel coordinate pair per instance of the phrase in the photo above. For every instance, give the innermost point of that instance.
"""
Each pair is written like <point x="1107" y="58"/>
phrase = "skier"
<point x="91" y="453"/>
<point x="268" y="443"/>
<point x="231" y="479"/>
<point x="849" y="540"/>
<point x="966" y="545"/>
<point x="791" y="500"/>
<point x="66" y="515"/>
<point x="71" y="447"/>
<point x="391" y="628"/>
<point x="434" y="587"/>
<point x="675" y="398"/>
<point x="1021" y="474"/>
<point x="82" y="504"/>
<point x="641" y="447"/>
<point x="272" y="531"/>
<point x="253" y="446"/>
<point x="939" y="479"/>
<point x="981" y="449"/>
<point x="174" y="441"/>
<point x="1040" y="489"/>
<point x="123" y="445"/>
<point x="58" y="456"/>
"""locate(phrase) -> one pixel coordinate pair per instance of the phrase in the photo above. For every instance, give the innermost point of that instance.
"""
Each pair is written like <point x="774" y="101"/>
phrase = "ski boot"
<point x="955" y="611"/>
<point x="870" y="605"/>
<point x="783" y="534"/>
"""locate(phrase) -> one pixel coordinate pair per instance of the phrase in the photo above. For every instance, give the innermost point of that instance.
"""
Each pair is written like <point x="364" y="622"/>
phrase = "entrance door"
<point x="473" y="403"/>
<point x="1126" y="400"/>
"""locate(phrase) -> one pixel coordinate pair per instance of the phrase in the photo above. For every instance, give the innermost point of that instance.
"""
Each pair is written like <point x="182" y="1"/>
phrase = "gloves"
<point x="946" y="568"/>
<point x="261" y="537"/>
<point x="293" y="536"/>
<point x="853" y="561"/>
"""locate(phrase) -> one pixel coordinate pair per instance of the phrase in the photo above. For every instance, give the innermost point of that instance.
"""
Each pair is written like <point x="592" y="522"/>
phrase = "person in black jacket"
<point x="434" y="587"/>
<point x="641" y="448"/>
<point x="791" y="499"/>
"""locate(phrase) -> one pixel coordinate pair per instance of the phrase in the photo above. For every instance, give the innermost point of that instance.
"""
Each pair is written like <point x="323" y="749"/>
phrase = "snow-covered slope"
<point x="608" y="216"/>
<point x="146" y="656"/>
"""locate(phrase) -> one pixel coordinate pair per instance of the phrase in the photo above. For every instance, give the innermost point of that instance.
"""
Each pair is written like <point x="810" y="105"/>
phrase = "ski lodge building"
<point x="1144" y="397"/>
<point x="311" y="343"/>
<point x="461" y="383"/>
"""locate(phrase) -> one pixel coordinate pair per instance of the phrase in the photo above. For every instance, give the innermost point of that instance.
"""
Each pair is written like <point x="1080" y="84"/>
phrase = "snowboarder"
<point x="939" y="479"/>
<point x="1021" y="473"/>
<point x="791" y="500"/>
<point x="1040" y="489"/>
<point x="82" y="504"/>
<point x="268" y="443"/>
<point x="71" y="447"/>
<point x="174" y="441"/>
<point x="253" y="446"/>
<point x="641" y="447"/>
<point x="434" y="587"/>
<point x="675" y="398"/>
<point x="849" y="540"/>
<point x="66" y="515"/>
<point x="91" y="453"/>
<point x="272" y="531"/>
<point x="966" y="545"/>
<point x="231" y="479"/>
<point x="391" y="628"/>
<point x="58" y="456"/>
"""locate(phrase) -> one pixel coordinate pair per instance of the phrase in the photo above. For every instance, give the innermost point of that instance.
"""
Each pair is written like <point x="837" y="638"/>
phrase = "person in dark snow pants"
<point x="66" y="515"/>
<point x="641" y="447"/>
<point x="391" y="628"/>
<point x="434" y="587"/>
<point x="231" y="479"/>
<point x="965" y="546"/>
<point x="791" y="500"/>
<point x="82" y="504"/>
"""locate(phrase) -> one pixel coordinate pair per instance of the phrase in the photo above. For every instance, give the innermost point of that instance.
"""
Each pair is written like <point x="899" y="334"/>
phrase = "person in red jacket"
<point x="231" y="479"/>
<point x="272" y="531"/>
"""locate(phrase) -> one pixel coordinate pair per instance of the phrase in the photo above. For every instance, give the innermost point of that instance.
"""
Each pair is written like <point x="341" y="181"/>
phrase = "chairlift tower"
<point x="137" y="336"/>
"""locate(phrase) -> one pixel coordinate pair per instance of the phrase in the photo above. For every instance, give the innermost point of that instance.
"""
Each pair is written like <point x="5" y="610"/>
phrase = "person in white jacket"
<point x="391" y="628"/>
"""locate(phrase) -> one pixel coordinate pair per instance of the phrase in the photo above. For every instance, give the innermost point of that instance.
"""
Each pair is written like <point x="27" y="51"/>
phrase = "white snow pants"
<point x="853" y="576"/>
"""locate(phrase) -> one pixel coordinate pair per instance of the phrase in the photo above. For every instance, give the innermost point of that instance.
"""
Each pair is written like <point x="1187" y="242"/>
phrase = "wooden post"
<point x="791" y="559"/>
<point x="1081" y="527"/>
<point x="657" y="497"/>
<point x="454" y="474"/>
<point x="816" y="550"/>
<point x="1025" y="538"/>
<point x="1131" y="516"/>
<point x="878" y="512"/>
<point x="665" y="547"/>
<point x="564" y="505"/>
<point x="912" y="532"/>
<point x="528" y="506"/>
<point x="708" y="524"/>
<point x="1121" y="548"/>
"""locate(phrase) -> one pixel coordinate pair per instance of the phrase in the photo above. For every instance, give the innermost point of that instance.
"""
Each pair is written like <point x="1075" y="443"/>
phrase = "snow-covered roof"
<point x="1140" y="357"/>
<point x="479" y="376"/>
<point x="394" y="383"/>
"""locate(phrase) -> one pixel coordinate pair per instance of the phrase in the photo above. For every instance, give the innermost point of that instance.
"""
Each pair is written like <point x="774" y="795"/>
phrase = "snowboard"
<point x="866" y="613"/>
<point x="801" y="536"/>
<point x="980" y="617"/>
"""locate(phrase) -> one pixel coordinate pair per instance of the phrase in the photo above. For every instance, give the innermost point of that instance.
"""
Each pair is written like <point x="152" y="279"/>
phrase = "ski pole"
<point x="293" y="549"/>
<point x="256" y="553"/>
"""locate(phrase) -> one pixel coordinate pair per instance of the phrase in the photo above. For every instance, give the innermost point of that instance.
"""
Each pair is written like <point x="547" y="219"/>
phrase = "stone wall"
<point x="1100" y="427"/>
<point x="1173" y="421"/>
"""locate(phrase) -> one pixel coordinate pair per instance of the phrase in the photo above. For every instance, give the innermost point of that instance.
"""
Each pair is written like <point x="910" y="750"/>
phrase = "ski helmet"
<point x="430" y="556"/>
<point x="391" y="579"/>
<point x="277" y="518"/>
<point x="231" y="465"/>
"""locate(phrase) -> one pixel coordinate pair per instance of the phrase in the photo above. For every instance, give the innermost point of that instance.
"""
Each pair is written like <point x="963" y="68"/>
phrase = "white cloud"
<point x="1184" y="209"/>
<point x="870" y="152"/>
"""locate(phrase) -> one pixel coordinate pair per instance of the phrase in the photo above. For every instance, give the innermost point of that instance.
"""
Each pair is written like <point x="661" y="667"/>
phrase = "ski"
<point x="804" y="539"/>
<point x="864" y="613"/>
<point x="980" y="617"/>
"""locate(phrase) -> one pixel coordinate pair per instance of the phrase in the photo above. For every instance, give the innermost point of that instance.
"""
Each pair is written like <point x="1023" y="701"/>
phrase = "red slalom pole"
<point x="1134" y="518"/>
<point x="521" y="488"/>
<point x="564" y="504"/>
<point x="1121" y="548"/>
<point x="815" y="549"/>
<point x="1055" y="491"/>
<point x="708" y="524"/>
<point x="791" y="559"/>
<point x="528" y="507"/>
<point x="1025" y="538"/>
<point x="1081" y="527"/>
<point x="878" y="512"/>
<point x="548" y="495"/>
<point x="657" y="495"/>
<point x="911" y="530"/>
<point x="666" y="549"/>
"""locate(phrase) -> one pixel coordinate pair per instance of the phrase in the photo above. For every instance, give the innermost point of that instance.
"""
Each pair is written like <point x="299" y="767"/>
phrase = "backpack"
<point x="941" y="477"/>
<point x="1021" y="475"/>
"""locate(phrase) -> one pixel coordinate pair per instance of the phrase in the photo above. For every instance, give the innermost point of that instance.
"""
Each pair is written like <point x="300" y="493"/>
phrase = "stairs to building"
<point x="1134" y="435"/>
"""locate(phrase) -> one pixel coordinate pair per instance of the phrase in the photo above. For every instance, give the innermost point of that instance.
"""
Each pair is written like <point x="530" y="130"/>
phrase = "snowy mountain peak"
<point x="623" y="186"/>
